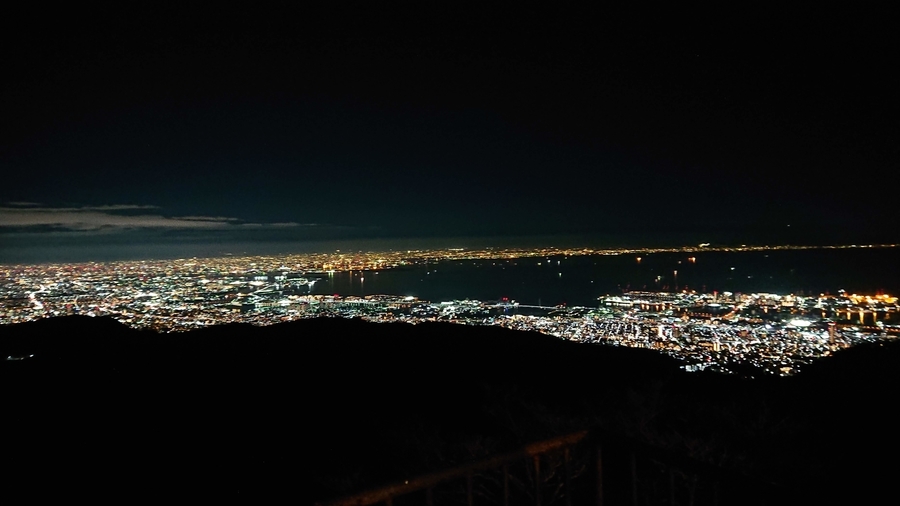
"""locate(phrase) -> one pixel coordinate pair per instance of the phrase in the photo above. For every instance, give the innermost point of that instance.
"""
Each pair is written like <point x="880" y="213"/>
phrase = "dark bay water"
<point x="580" y="280"/>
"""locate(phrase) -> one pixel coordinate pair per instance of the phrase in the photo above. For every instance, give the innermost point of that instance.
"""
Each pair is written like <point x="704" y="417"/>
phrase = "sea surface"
<point x="580" y="280"/>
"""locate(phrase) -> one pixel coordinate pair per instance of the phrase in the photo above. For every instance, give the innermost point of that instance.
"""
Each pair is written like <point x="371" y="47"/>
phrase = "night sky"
<point x="132" y="129"/>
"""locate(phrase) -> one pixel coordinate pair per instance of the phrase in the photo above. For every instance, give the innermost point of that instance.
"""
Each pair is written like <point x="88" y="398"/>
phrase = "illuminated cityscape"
<point x="778" y="333"/>
<point x="312" y="250"/>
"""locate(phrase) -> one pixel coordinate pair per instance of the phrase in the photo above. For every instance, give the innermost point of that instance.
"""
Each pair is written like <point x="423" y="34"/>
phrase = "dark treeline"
<point x="317" y="409"/>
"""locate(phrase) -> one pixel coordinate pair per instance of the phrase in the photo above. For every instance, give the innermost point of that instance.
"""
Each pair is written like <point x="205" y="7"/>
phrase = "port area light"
<point x="800" y="323"/>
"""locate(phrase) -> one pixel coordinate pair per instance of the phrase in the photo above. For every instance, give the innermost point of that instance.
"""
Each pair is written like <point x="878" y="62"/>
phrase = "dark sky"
<point x="287" y="124"/>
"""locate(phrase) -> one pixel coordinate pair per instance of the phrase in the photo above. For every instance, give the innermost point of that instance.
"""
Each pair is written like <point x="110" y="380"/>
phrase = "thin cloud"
<point x="36" y="207"/>
<point x="126" y="207"/>
<point x="278" y="225"/>
<point x="24" y="204"/>
<point x="208" y="218"/>
<point x="107" y="217"/>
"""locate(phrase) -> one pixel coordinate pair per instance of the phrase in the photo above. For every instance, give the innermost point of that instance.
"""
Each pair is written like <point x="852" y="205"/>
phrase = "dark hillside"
<point x="316" y="409"/>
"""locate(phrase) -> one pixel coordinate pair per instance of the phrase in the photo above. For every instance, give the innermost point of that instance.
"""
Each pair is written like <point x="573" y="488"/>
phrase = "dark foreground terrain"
<point x="318" y="409"/>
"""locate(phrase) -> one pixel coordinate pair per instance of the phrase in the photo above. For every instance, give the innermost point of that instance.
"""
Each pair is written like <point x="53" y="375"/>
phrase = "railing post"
<point x="505" y="484"/>
<point x="429" y="496"/>
<point x="599" y="475"/>
<point x="692" y="489"/>
<point x="469" y="488"/>
<point x="634" y="490"/>
<point x="568" y="491"/>
<point x="537" y="480"/>
<point x="671" y="485"/>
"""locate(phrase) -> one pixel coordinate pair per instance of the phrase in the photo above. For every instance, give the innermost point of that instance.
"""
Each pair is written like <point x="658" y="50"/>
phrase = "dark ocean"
<point x="545" y="281"/>
<point x="581" y="280"/>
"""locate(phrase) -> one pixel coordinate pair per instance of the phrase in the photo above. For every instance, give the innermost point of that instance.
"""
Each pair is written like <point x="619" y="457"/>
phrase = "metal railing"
<point x="584" y="467"/>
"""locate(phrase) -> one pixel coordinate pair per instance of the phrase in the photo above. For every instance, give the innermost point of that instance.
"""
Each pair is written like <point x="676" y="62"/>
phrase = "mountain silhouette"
<point x="316" y="409"/>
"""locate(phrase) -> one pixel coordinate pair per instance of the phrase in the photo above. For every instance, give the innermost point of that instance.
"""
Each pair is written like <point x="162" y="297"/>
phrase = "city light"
<point x="776" y="332"/>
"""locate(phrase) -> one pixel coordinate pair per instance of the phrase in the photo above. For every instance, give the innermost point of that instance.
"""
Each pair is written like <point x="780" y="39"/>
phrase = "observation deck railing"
<point x="585" y="467"/>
